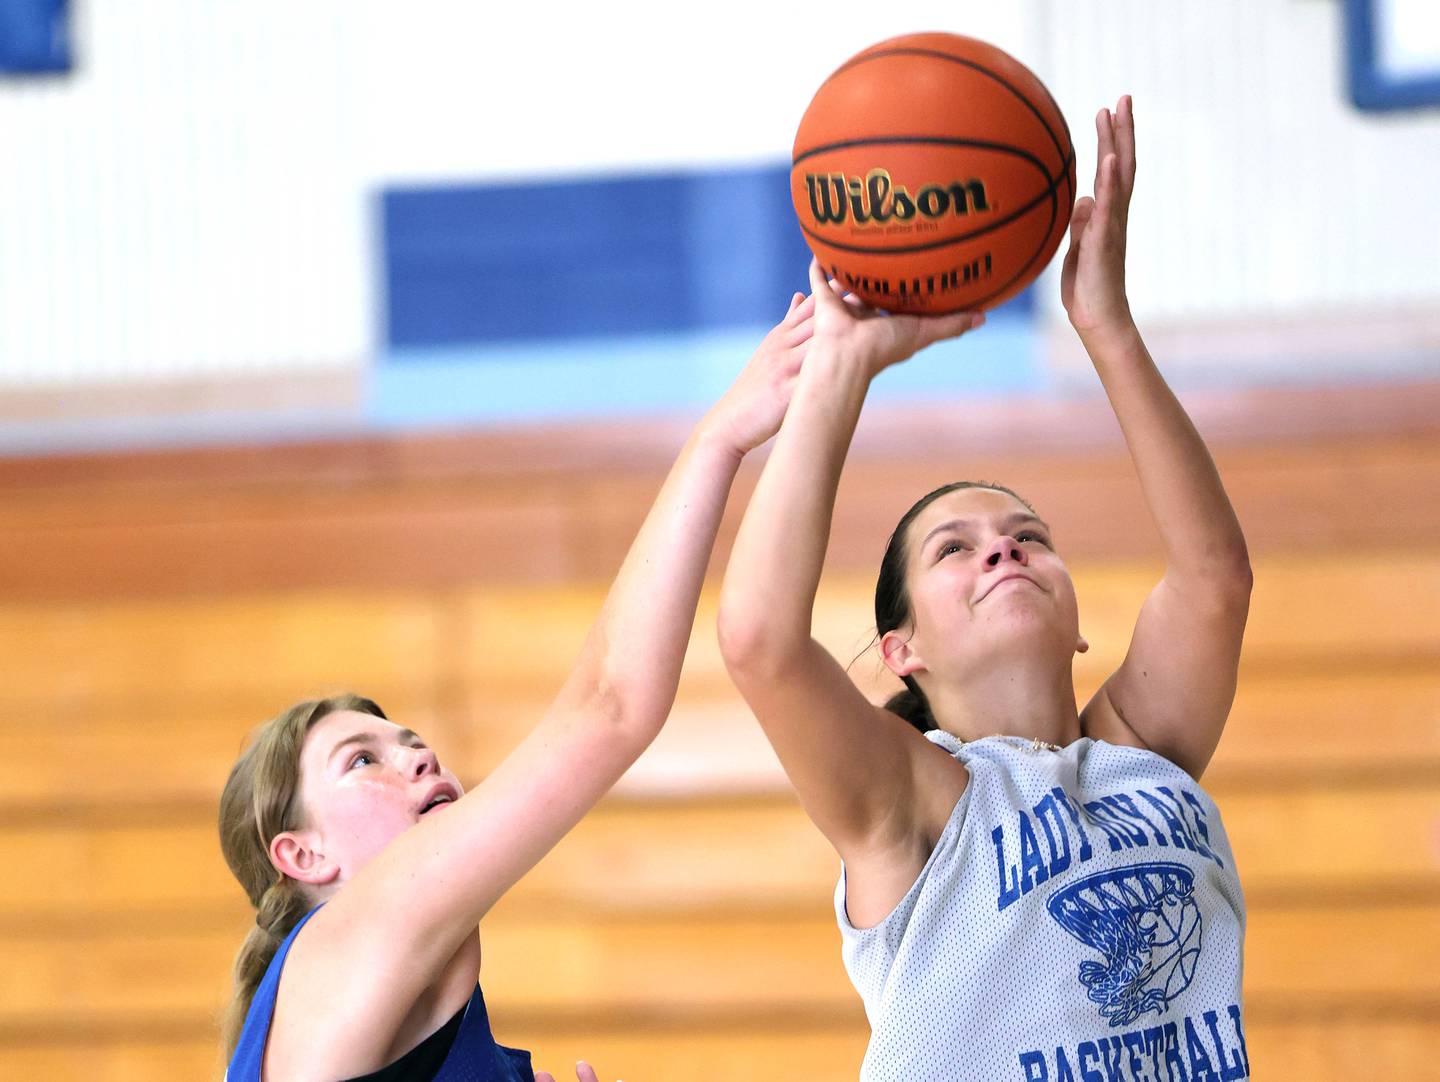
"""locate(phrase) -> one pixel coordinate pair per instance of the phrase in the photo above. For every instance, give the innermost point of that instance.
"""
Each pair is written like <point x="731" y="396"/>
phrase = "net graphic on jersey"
<point x="1144" y="922"/>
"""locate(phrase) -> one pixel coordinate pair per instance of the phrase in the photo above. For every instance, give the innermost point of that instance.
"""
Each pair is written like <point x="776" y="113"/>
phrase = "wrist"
<point x="841" y="361"/>
<point x="712" y="437"/>
<point x="1112" y="336"/>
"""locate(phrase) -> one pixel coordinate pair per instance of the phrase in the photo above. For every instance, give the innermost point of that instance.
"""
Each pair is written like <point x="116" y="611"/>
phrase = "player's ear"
<point x="899" y="654"/>
<point x="297" y="854"/>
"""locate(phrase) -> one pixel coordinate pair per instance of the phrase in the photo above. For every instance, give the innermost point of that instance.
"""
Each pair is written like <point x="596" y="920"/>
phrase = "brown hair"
<point x="260" y="801"/>
<point x="892" y="599"/>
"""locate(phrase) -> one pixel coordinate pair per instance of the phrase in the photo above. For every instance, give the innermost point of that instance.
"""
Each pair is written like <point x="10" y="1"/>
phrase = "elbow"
<point x="633" y="713"/>
<point x="1225" y="564"/>
<point x="618" y="699"/>
<point x="1245" y="578"/>
<point x="740" y="638"/>
<point x="1229" y="580"/>
<point x="1236" y="576"/>
<point x="751" y="645"/>
<point x="1219" y="582"/>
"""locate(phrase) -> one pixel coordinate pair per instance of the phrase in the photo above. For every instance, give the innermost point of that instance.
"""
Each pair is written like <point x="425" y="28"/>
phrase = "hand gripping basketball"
<point x="849" y="326"/>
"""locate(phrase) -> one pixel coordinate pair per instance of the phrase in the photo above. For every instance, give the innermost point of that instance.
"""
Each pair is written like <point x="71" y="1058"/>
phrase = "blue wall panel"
<point x="34" y="36"/>
<point x="1372" y="86"/>
<point x="649" y="254"/>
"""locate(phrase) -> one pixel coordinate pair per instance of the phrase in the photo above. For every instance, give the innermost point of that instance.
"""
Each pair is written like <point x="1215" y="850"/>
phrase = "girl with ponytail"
<point x="258" y="803"/>
<point x="370" y="867"/>
<point x="1024" y="882"/>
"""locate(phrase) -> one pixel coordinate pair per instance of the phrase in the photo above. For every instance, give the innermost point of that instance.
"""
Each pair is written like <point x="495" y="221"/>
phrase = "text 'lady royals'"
<point x="876" y="198"/>
<point x="1147" y="817"/>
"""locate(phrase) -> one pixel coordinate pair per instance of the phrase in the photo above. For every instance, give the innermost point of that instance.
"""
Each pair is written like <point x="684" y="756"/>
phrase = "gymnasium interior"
<point x="344" y="345"/>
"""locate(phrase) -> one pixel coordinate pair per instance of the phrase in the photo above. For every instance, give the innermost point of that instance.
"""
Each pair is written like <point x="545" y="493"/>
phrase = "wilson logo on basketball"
<point x="876" y="198"/>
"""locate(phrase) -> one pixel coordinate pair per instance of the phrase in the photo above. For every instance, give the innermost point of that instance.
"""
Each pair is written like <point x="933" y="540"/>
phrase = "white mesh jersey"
<point x="1080" y="920"/>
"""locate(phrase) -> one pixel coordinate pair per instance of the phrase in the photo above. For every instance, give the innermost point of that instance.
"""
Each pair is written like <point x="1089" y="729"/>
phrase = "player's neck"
<point x="1031" y="699"/>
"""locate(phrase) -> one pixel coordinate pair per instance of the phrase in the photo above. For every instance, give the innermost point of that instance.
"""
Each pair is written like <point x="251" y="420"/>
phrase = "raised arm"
<point x="432" y="884"/>
<point x="1173" y="691"/>
<point x="852" y="763"/>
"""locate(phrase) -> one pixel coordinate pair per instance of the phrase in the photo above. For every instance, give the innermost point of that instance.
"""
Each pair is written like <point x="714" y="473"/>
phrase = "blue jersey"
<point x="473" y="1057"/>
<point x="1079" y="919"/>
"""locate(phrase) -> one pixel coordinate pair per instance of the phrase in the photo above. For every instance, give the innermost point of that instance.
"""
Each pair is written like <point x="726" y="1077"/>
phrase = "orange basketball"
<point x="933" y="173"/>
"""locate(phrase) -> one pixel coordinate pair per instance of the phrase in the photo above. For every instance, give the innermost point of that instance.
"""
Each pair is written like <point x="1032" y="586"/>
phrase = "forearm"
<point x="775" y="566"/>
<point x="630" y="664"/>
<point x="1182" y="487"/>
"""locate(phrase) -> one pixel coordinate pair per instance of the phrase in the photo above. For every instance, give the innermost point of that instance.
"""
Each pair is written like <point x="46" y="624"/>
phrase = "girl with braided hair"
<point x="370" y="867"/>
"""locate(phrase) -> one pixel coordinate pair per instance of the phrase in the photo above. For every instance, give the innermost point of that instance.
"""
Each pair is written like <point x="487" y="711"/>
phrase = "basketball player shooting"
<point x="1029" y="890"/>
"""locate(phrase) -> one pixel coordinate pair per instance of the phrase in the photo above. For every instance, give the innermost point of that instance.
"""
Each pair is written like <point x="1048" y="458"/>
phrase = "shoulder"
<point x="335" y="1016"/>
<point x="1101" y="720"/>
<point x="250" y="1046"/>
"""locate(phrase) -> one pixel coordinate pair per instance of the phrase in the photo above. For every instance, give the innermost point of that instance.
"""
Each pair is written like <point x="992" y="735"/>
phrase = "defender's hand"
<point x="751" y="410"/>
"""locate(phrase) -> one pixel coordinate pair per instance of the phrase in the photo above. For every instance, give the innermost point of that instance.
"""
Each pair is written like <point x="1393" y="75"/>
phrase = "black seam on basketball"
<point x="1054" y="214"/>
<point x="927" y="140"/>
<point x="937" y="54"/>
<point x="1047" y="192"/>
<point x="1065" y="168"/>
<point x="1065" y="175"/>
<point x="1045" y="237"/>
<point x="1063" y="123"/>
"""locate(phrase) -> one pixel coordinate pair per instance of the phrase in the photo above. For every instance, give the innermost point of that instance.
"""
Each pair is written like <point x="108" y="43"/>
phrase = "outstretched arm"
<point x="852" y="763"/>
<point x="423" y="895"/>
<point x="1173" y="691"/>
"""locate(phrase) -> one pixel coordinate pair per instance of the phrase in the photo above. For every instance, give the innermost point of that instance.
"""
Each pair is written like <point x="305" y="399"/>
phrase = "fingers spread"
<point x="797" y="322"/>
<point x="1105" y="185"/>
<point x="1105" y="136"/>
<point x="1125" y="143"/>
<point x="584" y="1072"/>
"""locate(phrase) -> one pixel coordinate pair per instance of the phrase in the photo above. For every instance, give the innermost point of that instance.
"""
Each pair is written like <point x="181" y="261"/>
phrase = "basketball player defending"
<point x="369" y="866"/>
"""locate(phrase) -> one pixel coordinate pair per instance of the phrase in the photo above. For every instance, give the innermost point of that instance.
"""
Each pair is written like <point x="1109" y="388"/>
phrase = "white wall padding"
<point x="1261" y="191"/>
<point x="185" y="203"/>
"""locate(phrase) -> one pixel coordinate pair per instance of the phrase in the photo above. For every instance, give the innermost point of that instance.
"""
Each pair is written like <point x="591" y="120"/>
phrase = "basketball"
<point x="933" y="173"/>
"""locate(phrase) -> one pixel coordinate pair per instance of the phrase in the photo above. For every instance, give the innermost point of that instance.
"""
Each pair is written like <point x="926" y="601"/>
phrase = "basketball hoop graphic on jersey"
<point x="1144" y="921"/>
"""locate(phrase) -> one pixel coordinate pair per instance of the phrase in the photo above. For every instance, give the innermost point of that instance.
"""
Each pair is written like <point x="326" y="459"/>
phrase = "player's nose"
<point x="1004" y="549"/>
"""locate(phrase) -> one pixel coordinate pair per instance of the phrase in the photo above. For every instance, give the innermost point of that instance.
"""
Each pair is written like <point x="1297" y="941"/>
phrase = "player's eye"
<point x="362" y="758"/>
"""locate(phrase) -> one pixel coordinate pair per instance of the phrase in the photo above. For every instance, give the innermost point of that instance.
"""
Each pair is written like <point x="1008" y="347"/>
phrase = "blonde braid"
<point x="280" y="909"/>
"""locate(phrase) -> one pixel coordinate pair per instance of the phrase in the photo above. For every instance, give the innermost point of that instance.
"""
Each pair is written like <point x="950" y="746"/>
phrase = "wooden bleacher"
<point x="155" y="607"/>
